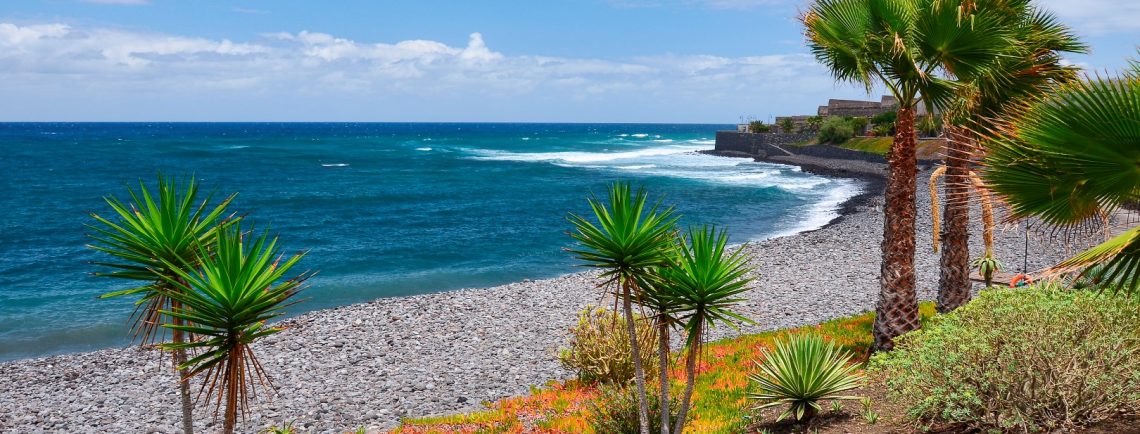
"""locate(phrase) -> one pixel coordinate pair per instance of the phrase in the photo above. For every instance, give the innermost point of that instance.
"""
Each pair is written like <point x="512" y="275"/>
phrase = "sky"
<point x="659" y="61"/>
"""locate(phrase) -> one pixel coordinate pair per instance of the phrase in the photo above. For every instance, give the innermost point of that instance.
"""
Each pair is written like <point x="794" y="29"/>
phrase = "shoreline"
<point x="872" y="189"/>
<point x="370" y="364"/>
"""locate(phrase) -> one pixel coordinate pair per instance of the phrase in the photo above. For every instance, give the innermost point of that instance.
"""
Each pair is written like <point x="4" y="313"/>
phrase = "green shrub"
<point x="929" y="125"/>
<point x="758" y="127"/>
<point x="1028" y="359"/>
<point x="835" y="130"/>
<point x="885" y="118"/>
<point x="803" y="370"/>
<point x="600" y="351"/>
<point x="615" y="411"/>
<point x="787" y="125"/>
<point x="859" y="124"/>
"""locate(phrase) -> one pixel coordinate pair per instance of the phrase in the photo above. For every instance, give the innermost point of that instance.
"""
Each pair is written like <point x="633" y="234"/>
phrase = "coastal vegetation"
<point x="150" y="240"/>
<point x="203" y="282"/>
<point x="1026" y="360"/>
<point x="835" y="130"/>
<point x="225" y="302"/>
<point x="599" y="348"/>
<point x="629" y="243"/>
<point x="802" y="371"/>
<point x="690" y="282"/>
<point x="759" y="127"/>
<point x="720" y="399"/>
<point x="1029" y="66"/>
<point x="1068" y="159"/>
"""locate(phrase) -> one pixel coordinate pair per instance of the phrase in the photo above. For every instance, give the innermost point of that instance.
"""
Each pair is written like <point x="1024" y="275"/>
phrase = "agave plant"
<point x="1069" y="159"/>
<point x="226" y="304"/>
<point x="703" y="285"/>
<point x="630" y="241"/>
<point x="802" y="371"/>
<point x="150" y="240"/>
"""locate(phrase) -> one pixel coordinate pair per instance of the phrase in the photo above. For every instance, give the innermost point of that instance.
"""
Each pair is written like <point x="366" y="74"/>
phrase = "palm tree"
<point x="704" y="284"/>
<point x="629" y="243"/>
<point x="147" y="235"/>
<point x="226" y="304"/>
<point x="904" y="45"/>
<point x="1030" y="63"/>
<point x="1070" y="158"/>
<point x="814" y="122"/>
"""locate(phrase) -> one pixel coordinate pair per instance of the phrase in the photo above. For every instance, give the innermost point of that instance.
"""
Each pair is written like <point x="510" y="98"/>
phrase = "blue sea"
<point x="384" y="209"/>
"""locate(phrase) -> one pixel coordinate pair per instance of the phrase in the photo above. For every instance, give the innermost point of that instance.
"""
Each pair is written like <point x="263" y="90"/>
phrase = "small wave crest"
<point x="424" y="149"/>
<point x="334" y="164"/>
<point x="580" y="157"/>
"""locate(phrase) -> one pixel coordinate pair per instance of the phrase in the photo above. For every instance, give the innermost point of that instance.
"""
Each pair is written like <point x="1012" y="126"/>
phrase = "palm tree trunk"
<point x="954" y="277"/>
<point x="638" y="369"/>
<point x="183" y="380"/>
<point x="690" y="375"/>
<point x="663" y="370"/>
<point x="897" y="309"/>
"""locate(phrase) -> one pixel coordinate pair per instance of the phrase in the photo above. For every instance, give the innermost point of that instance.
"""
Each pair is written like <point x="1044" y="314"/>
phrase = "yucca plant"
<point x="987" y="265"/>
<point x="629" y="242"/>
<point x="149" y="240"/>
<point x="703" y="285"/>
<point x="802" y="371"/>
<point x="239" y="286"/>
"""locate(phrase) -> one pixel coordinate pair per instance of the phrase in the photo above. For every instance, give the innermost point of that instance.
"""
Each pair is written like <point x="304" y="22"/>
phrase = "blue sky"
<point x="533" y="61"/>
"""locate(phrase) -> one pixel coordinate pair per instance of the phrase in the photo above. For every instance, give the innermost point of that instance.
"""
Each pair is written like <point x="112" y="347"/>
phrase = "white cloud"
<point x="1098" y="17"/>
<point x="79" y="63"/>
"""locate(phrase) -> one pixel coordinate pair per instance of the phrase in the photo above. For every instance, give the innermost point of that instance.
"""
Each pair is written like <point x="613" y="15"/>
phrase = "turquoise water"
<point x="384" y="209"/>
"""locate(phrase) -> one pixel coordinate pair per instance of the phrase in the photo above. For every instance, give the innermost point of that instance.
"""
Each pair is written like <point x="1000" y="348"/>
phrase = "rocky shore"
<point x="370" y="364"/>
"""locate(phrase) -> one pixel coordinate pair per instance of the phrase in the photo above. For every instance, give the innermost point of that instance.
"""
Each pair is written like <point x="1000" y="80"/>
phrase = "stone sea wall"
<point x="756" y="145"/>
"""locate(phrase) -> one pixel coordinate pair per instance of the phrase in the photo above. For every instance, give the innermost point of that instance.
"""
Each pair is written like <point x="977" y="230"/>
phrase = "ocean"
<point x="383" y="209"/>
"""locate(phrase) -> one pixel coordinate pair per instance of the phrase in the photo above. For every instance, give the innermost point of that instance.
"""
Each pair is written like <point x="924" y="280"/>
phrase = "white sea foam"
<point x="581" y="157"/>
<point x="636" y="167"/>
<point x="663" y="140"/>
<point x="703" y="142"/>
<point x="640" y="135"/>
<point x="824" y="209"/>
<point x="526" y="138"/>
<point x="334" y="164"/>
<point x="425" y="149"/>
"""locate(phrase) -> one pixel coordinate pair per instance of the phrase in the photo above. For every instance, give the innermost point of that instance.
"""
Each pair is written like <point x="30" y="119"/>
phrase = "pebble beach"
<point x="371" y="364"/>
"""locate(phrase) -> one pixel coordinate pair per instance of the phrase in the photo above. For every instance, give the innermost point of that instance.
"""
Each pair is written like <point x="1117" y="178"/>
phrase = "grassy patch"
<point x="874" y="145"/>
<point x="720" y="404"/>
<point x="926" y="149"/>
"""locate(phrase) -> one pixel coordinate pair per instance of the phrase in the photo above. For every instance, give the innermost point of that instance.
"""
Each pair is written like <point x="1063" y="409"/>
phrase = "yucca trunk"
<point x="638" y="369"/>
<point x="690" y="375"/>
<point x="897" y="309"/>
<point x="234" y="372"/>
<point x="663" y="370"/>
<point x="178" y="336"/>
<point x="954" y="277"/>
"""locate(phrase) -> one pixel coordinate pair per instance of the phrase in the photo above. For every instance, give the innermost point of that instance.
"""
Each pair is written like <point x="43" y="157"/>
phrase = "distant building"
<point x="848" y="107"/>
